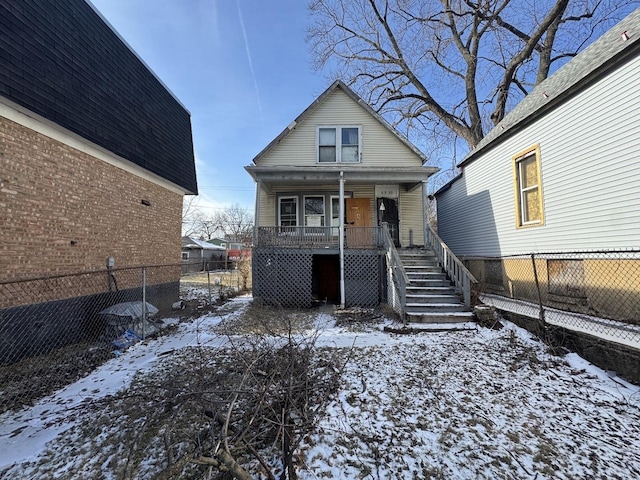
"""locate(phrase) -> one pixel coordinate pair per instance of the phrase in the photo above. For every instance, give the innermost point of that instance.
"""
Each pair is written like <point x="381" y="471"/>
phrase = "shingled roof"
<point x="606" y="53"/>
<point x="62" y="61"/>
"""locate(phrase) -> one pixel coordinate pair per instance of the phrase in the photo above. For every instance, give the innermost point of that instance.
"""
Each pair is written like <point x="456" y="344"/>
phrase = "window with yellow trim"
<point x="528" y="188"/>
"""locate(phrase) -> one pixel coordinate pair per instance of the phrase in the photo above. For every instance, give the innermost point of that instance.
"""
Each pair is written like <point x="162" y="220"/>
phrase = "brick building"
<point x="96" y="153"/>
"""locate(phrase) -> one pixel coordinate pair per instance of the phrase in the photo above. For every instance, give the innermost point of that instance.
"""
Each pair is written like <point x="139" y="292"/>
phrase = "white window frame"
<point x="334" y="228"/>
<point x="323" y="216"/>
<point x="339" y="145"/>
<point x="295" y="201"/>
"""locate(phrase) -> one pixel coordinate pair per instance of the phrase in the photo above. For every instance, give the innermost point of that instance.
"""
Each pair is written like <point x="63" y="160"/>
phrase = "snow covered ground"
<point x="467" y="404"/>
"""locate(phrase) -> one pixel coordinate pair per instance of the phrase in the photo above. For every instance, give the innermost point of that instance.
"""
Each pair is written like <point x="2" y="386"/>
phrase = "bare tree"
<point x="236" y="222"/>
<point x="190" y="215"/>
<point x="451" y="68"/>
<point x="209" y="226"/>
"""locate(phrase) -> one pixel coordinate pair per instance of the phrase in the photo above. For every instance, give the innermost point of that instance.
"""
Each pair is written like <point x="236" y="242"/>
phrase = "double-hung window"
<point x="288" y="211"/>
<point x="528" y="188"/>
<point x="339" y="144"/>
<point x="314" y="214"/>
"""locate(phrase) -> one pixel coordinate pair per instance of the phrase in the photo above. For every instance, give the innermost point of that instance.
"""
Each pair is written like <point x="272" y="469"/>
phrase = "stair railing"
<point x="394" y="264"/>
<point x="452" y="265"/>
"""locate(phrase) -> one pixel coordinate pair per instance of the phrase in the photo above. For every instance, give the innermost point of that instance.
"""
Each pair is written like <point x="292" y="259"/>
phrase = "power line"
<point x="227" y="188"/>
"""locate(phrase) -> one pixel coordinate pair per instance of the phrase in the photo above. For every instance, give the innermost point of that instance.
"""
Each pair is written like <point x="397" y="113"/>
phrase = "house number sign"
<point x="387" y="191"/>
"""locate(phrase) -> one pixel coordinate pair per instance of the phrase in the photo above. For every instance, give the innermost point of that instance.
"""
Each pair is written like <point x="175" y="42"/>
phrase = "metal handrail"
<point x="461" y="277"/>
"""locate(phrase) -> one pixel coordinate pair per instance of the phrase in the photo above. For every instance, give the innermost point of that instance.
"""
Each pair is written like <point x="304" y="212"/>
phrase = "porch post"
<point x="341" y="240"/>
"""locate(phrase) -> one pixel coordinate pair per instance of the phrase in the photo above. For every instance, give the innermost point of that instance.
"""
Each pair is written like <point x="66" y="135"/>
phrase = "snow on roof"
<point x="189" y="242"/>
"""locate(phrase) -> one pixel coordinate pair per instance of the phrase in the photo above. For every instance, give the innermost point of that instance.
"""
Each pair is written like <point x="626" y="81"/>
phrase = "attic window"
<point x="339" y="144"/>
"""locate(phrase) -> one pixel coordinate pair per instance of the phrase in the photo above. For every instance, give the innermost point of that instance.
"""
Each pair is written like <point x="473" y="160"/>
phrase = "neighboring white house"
<point x="324" y="187"/>
<point x="560" y="173"/>
<point x="562" y="170"/>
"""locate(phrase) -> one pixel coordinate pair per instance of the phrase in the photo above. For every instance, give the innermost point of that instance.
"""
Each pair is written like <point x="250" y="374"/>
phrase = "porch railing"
<point x="319" y="237"/>
<point x="453" y="266"/>
<point x="398" y="275"/>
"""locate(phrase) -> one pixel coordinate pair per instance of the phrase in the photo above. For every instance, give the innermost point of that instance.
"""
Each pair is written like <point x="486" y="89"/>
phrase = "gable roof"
<point x="595" y="61"/>
<point x="63" y="62"/>
<point x="189" y="242"/>
<point x="338" y="85"/>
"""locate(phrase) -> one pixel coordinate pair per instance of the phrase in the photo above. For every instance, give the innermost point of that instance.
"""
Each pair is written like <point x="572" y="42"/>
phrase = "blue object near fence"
<point x="125" y="340"/>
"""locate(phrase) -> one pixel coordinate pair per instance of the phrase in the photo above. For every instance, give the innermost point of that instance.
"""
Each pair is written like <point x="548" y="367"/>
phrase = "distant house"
<point x="560" y="174"/>
<point x="221" y="242"/>
<point x="199" y="255"/>
<point x="325" y="186"/>
<point x="96" y="155"/>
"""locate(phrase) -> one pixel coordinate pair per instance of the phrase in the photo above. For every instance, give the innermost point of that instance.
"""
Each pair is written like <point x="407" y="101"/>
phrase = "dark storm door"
<point x="390" y="215"/>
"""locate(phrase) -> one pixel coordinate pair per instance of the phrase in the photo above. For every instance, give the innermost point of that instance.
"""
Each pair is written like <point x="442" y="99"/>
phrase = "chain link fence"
<point x="56" y="329"/>
<point x="595" y="292"/>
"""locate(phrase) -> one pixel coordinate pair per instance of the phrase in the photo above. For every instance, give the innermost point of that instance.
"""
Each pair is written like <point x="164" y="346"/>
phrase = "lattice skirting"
<point x="284" y="277"/>
<point x="361" y="278"/>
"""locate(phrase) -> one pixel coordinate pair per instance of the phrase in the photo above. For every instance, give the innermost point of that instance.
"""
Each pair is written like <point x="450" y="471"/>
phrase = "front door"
<point x="358" y="217"/>
<point x="389" y="215"/>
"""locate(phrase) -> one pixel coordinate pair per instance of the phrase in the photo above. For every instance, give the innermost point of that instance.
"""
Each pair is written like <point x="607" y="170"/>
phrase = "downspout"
<point x="341" y="240"/>
<point x="425" y="215"/>
<point x="257" y="213"/>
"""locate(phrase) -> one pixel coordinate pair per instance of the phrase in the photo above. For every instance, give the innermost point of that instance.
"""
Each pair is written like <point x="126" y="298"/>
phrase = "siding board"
<point x="590" y="163"/>
<point x="380" y="148"/>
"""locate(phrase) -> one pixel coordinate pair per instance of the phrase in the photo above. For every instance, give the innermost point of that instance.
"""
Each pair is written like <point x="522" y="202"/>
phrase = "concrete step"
<point x="416" y="263"/>
<point x="435" y="307"/>
<point x="416" y="289"/>
<point x="425" y="275"/>
<point x="404" y="252"/>
<point x="440" y="317"/>
<point x="429" y="283"/>
<point x="422" y="268"/>
<point x="432" y="298"/>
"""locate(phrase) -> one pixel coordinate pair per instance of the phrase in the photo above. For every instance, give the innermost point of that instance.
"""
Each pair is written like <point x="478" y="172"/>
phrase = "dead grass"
<point x="267" y="320"/>
<point x="230" y="278"/>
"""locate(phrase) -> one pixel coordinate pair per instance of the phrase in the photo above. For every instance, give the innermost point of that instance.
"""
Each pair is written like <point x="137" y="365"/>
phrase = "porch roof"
<point x="272" y="176"/>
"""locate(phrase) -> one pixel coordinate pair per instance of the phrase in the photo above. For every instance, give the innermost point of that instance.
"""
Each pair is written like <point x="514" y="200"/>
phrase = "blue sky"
<point x="241" y="67"/>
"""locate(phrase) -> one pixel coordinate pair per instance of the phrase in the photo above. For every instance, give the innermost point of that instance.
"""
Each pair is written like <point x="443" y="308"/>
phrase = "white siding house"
<point x="559" y="177"/>
<point x="324" y="188"/>
<point x="583" y="124"/>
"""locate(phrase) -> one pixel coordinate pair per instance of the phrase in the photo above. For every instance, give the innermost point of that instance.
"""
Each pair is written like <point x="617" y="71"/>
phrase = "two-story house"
<point x="559" y="176"/>
<point x="338" y="192"/>
<point x="96" y="155"/>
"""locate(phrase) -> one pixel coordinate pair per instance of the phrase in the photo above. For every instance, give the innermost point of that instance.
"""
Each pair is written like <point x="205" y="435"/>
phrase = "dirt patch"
<point x="259" y="319"/>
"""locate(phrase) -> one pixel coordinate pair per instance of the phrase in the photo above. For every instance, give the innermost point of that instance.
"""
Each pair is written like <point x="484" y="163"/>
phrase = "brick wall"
<point x="62" y="210"/>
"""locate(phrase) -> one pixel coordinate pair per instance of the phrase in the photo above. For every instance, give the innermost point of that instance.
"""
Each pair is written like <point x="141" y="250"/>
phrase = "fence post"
<point x="144" y="299"/>
<point x="541" y="319"/>
<point x="209" y="284"/>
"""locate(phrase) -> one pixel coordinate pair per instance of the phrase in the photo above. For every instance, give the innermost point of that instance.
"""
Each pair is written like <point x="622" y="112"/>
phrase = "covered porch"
<point x="324" y="224"/>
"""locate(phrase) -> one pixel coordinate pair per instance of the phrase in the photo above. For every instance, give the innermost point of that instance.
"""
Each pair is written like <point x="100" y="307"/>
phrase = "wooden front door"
<point x="358" y="216"/>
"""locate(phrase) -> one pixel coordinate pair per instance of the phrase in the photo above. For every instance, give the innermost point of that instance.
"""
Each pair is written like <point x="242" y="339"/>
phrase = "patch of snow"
<point x="468" y="404"/>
